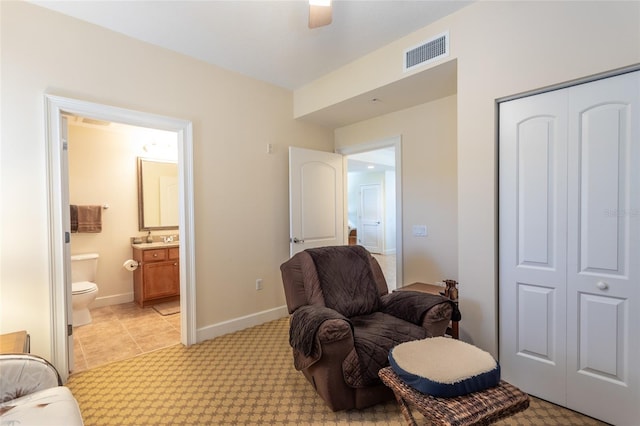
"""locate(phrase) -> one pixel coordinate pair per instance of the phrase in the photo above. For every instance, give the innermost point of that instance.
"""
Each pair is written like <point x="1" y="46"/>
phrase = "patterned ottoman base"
<point x="479" y="408"/>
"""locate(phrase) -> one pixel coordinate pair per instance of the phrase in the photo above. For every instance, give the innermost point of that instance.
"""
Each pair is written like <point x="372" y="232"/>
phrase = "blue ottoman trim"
<point x="445" y="390"/>
<point x="444" y="367"/>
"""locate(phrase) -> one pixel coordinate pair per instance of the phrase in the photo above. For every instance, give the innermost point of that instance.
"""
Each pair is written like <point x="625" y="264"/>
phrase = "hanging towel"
<point x="74" y="217"/>
<point x="90" y="219"/>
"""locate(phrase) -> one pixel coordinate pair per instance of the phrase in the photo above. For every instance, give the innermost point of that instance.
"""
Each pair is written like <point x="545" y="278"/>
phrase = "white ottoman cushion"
<point x="444" y="367"/>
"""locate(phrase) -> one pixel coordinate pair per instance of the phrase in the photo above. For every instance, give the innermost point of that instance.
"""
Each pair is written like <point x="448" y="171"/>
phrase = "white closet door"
<point x="532" y="240"/>
<point x="603" y="282"/>
<point x="570" y="247"/>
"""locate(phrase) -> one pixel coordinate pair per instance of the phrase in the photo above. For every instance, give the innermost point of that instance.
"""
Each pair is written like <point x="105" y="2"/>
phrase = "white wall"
<point x="241" y="192"/>
<point x="502" y="48"/>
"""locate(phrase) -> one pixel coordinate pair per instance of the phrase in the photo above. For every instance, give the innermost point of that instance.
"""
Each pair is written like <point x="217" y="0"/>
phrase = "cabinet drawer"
<point x="154" y="255"/>
<point x="174" y="253"/>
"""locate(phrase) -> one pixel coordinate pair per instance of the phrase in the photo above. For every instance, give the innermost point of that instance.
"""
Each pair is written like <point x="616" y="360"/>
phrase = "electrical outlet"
<point x="259" y="284"/>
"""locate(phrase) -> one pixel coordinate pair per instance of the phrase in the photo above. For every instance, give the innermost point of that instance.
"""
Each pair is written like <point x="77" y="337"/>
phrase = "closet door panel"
<point x="536" y="318"/>
<point x="603" y="147"/>
<point x="532" y="244"/>
<point x="602" y="339"/>
<point x="535" y="206"/>
<point x="603" y="280"/>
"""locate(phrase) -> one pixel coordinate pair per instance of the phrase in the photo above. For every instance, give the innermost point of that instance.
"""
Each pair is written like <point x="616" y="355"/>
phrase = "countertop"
<point x="155" y="245"/>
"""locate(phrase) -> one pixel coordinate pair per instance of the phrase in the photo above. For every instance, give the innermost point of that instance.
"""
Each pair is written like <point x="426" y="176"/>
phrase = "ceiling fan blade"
<point x="319" y="13"/>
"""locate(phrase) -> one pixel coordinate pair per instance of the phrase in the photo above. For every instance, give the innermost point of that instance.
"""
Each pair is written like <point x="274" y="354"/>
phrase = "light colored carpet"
<point x="168" y="308"/>
<point x="243" y="378"/>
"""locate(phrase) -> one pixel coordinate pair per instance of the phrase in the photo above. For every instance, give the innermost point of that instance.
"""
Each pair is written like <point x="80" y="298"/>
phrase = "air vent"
<point x="429" y="51"/>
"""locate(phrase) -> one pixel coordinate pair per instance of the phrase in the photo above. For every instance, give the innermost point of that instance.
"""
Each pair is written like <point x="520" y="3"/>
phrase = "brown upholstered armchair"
<point x="344" y="322"/>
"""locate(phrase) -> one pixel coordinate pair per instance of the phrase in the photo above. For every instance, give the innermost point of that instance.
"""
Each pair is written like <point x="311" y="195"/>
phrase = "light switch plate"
<point x="419" y="230"/>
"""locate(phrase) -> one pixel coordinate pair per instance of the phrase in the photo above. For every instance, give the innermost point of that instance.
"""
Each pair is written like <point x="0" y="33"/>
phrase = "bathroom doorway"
<point x="58" y="182"/>
<point x="103" y="169"/>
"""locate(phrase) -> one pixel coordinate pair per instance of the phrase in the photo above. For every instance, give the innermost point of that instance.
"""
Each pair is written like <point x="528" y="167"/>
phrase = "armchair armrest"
<point x="412" y="306"/>
<point x="23" y="374"/>
<point x="316" y="322"/>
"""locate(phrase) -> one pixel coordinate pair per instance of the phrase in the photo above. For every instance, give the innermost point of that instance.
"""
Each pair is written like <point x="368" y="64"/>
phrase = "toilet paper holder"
<point x="130" y="265"/>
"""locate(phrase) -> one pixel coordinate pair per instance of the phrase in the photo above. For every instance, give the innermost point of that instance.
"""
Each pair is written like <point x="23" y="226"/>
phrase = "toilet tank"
<point x="83" y="267"/>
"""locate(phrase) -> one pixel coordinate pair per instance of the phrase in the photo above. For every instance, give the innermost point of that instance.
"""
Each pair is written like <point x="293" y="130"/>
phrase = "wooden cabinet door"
<point x="161" y="279"/>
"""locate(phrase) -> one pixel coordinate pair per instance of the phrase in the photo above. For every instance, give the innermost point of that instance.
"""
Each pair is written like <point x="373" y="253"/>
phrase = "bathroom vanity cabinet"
<point x="157" y="278"/>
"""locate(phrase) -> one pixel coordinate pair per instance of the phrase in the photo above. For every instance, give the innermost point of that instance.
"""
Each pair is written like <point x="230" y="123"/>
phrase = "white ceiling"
<point x="379" y="160"/>
<point x="266" y="40"/>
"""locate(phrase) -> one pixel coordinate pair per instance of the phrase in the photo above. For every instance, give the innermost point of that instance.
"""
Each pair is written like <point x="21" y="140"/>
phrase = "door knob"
<point x="602" y="285"/>
<point x="297" y="241"/>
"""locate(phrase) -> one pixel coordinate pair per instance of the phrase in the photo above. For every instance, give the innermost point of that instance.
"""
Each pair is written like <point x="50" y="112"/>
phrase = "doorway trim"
<point x="396" y="143"/>
<point x="55" y="107"/>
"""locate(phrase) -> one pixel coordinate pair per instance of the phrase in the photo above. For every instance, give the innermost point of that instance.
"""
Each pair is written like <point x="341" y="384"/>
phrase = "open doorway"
<point x="372" y="200"/>
<point x="104" y="164"/>
<point x="59" y="222"/>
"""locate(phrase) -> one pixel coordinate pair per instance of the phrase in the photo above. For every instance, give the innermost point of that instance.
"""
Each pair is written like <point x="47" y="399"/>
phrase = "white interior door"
<point x="603" y="283"/>
<point x="66" y="220"/>
<point x="370" y="228"/>
<point x="569" y="244"/>
<point x="316" y="212"/>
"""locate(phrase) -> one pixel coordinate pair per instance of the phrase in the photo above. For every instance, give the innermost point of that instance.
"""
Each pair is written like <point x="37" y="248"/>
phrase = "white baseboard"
<point x="114" y="299"/>
<point x="236" y="324"/>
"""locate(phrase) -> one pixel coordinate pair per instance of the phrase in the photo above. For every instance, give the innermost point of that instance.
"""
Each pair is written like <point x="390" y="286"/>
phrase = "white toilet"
<point x="84" y="289"/>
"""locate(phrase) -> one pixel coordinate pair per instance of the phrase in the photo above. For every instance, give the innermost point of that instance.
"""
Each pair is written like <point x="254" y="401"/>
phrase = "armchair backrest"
<point x="302" y="282"/>
<point x="23" y="374"/>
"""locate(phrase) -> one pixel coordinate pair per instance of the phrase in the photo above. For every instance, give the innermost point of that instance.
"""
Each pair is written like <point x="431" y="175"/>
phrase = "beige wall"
<point x="103" y="170"/>
<point x="502" y="48"/>
<point x="429" y="183"/>
<point x="241" y="192"/>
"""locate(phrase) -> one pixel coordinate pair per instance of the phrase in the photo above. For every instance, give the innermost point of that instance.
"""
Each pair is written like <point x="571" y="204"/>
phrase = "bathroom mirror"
<point x="157" y="194"/>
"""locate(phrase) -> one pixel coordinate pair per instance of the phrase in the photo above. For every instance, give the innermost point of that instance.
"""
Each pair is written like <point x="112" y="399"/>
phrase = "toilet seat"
<point x="83" y="287"/>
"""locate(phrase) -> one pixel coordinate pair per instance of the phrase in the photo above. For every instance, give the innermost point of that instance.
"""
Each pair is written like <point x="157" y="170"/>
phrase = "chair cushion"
<point x="444" y="367"/>
<point x="347" y="280"/>
<point x="374" y="335"/>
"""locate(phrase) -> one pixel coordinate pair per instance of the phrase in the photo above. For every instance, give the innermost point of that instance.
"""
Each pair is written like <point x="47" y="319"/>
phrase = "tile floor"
<point x="122" y="331"/>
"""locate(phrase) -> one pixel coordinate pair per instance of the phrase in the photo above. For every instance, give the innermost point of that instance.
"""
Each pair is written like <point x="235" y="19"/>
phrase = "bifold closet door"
<point x="603" y="258"/>
<point x="569" y="240"/>
<point x="532" y="241"/>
